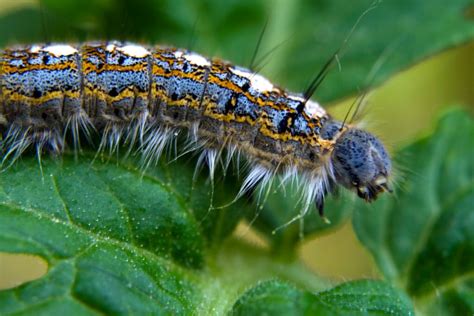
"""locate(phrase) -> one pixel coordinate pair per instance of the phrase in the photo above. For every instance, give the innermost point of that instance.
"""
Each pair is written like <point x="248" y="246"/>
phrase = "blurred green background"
<point x="399" y="110"/>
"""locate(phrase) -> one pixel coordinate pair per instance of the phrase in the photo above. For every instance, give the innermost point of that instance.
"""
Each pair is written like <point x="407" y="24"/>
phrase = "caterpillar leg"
<point x="319" y="200"/>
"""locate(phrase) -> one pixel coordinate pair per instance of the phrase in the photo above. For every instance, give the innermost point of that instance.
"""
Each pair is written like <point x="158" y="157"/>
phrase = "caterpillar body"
<point x="143" y="96"/>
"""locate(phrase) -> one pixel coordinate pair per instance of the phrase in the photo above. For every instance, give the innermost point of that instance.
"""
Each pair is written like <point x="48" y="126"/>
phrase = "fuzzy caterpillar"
<point x="142" y="96"/>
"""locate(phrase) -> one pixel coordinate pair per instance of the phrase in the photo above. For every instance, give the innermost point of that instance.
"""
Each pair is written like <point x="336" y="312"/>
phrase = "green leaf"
<point x="365" y="297"/>
<point x="423" y="240"/>
<point x="118" y="240"/>
<point x="396" y="33"/>
<point x="115" y="238"/>
<point x="89" y="201"/>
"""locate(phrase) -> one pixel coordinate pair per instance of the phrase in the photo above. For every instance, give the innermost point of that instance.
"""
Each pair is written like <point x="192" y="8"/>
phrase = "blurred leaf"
<point x="423" y="240"/>
<point x="351" y="298"/>
<point x="397" y="33"/>
<point x="283" y="203"/>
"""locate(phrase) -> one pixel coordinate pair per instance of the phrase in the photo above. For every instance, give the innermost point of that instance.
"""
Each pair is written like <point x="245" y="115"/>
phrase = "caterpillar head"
<point x="361" y="163"/>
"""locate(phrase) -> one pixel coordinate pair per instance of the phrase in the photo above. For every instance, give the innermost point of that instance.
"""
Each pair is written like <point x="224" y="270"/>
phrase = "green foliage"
<point x="119" y="240"/>
<point x="423" y="240"/>
<point x="351" y="298"/>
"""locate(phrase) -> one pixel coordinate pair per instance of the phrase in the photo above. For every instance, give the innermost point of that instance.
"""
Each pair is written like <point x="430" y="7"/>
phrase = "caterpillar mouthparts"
<point x="142" y="96"/>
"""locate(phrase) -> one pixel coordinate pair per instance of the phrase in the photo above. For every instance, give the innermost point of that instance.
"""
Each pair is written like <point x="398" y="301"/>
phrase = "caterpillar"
<point x="144" y="96"/>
